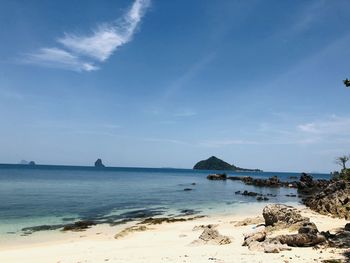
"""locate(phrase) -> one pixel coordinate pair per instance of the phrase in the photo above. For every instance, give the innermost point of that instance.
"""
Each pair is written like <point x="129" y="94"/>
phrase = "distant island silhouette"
<point x="214" y="163"/>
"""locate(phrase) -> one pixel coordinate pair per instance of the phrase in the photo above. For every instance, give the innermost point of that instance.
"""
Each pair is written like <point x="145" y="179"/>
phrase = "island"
<point x="214" y="163"/>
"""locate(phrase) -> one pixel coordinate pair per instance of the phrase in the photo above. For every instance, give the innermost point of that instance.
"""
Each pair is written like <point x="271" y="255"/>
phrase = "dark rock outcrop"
<point x="261" y="182"/>
<point x="333" y="199"/>
<point x="32" y="163"/>
<point x="307" y="185"/>
<point x="188" y="189"/>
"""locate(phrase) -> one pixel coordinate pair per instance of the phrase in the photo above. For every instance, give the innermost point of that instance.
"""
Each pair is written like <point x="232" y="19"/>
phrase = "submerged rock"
<point x="262" y="198"/>
<point x="160" y="220"/>
<point x="30" y="230"/>
<point x="79" y="226"/>
<point x="217" y="176"/>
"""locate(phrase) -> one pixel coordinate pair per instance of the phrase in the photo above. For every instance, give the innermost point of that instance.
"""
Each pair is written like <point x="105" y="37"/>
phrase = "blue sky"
<point x="167" y="83"/>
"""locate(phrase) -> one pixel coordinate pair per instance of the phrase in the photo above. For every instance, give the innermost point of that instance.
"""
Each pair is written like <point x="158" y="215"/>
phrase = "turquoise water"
<point x="48" y="195"/>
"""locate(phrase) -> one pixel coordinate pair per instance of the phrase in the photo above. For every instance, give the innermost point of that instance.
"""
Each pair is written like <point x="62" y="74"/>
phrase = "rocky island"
<point x="214" y="163"/>
<point x="99" y="164"/>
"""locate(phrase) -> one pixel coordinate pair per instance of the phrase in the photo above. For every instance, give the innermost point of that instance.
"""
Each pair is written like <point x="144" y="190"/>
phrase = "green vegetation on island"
<point x="214" y="163"/>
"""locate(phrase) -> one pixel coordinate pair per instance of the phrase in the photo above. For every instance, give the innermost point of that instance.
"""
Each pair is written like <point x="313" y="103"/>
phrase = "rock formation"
<point x="210" y="235"/>
<point x="279" y="215"/>
<point x="333" y="199"/>
<point x="99" y="164"/>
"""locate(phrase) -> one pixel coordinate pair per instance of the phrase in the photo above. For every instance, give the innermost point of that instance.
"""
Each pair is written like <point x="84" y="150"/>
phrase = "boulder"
<point x="279" y="214"/>
<point x="258" y="236"/>
<point x="307" y="236"/>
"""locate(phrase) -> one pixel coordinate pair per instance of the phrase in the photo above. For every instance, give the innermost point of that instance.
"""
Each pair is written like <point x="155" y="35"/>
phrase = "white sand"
<point x="168" y="242"/>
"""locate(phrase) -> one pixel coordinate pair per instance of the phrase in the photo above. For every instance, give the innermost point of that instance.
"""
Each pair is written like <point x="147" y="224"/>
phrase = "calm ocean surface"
<point x="46" y="195"/>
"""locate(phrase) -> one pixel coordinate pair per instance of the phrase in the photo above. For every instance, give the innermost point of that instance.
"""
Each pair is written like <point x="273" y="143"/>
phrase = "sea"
<point x="49" y="195"/>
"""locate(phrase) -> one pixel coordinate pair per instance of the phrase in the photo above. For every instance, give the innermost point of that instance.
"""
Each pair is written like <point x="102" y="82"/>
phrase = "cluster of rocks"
<point x="269" y="182"/>
<point x="259" y="197"/>
<point x="248" y="180"/>
<point x="307" y="185"/>
<point x="278" y="216"/>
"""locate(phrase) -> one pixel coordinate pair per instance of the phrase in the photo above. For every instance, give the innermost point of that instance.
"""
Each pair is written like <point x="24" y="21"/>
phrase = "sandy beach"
<point x="166" y="242"/>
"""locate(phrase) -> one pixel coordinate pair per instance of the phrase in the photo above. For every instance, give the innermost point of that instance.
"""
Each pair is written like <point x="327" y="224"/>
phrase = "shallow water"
<point x="51" y="195"/>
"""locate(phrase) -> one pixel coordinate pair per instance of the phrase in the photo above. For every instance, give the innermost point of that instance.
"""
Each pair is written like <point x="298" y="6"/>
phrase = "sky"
<point x="153" y="83"/>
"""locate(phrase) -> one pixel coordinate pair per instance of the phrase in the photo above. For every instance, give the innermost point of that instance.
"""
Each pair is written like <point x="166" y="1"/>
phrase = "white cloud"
<point x="58" y="58"/>
<point x="80" y="53"/>
<point x="332" y="126"/>
<point x="104" y="40"/>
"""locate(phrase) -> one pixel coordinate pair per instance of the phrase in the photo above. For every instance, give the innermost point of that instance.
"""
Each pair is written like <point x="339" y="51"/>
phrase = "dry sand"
<point x="168" y="242"/>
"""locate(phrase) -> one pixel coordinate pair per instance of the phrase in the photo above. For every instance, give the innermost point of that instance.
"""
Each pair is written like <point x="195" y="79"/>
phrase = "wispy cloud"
<point x="185" y="113"/>
<point x="58" y="58"/>
<point x="82" y="52"/>
<point x="332" y="126"/>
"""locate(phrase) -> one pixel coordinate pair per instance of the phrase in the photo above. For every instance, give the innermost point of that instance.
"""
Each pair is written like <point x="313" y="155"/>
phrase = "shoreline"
<point x="166" y="242"/>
